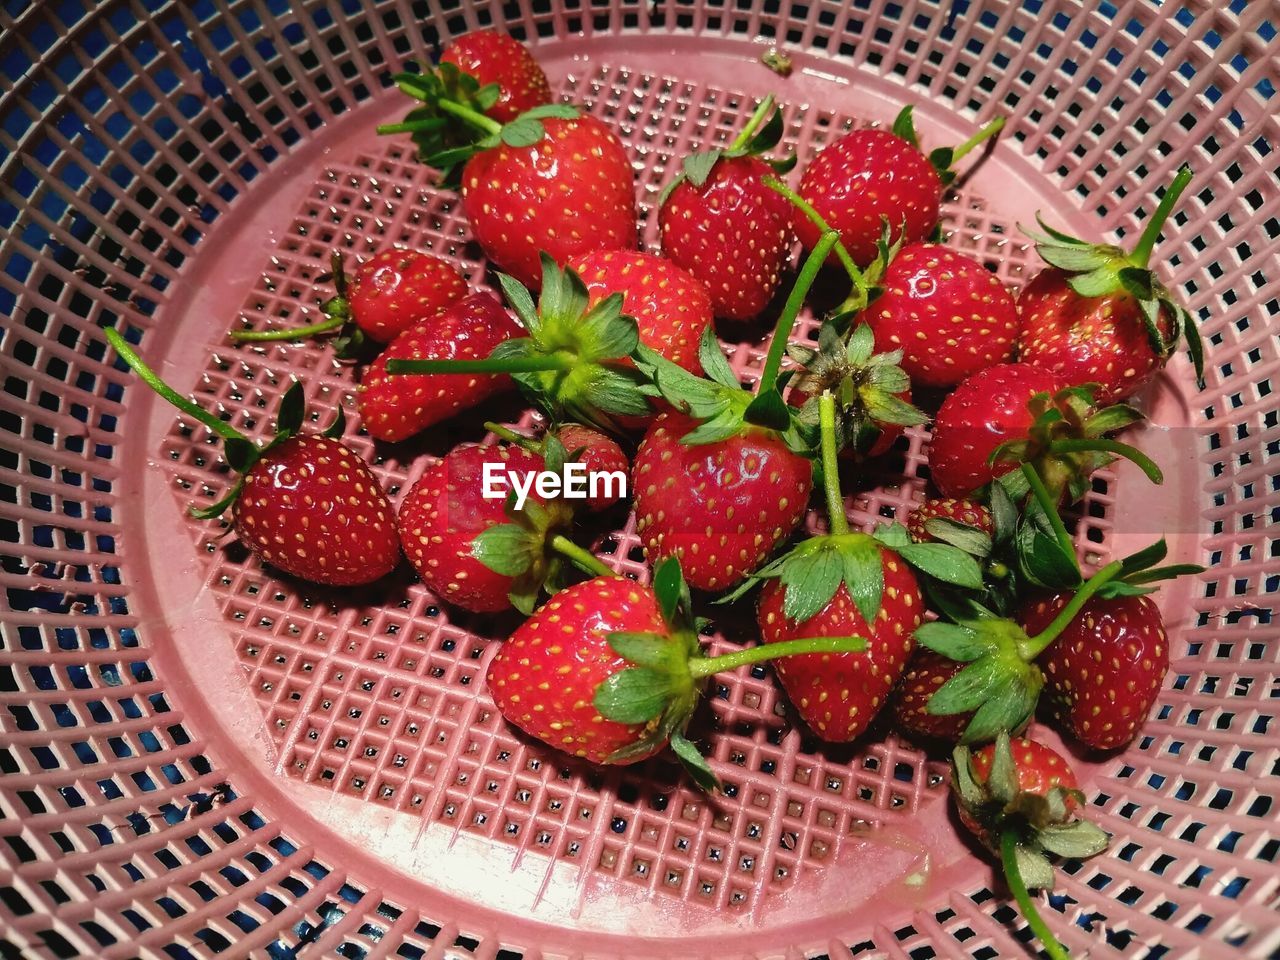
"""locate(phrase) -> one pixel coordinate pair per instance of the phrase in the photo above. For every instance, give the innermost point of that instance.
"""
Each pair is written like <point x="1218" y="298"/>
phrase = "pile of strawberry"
<point x="960" y="623"/>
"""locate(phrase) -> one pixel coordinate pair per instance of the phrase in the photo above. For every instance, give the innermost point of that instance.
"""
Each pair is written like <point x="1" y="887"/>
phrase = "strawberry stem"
<point x="1034" y="646"/>
<point x="1050" y="507"/>
<point x="787" y="319"/>
<point x="466" y="114"/>
<point x="705" y="666"/>
<point x="1141" y="255"/>
<point x="412" y="126"/>
<point x="805" y="207"/>
<point x="986" y="133"/>
<point x="583" y="559"/>
<point x="485" y="365"/>
<point x="757" y="118"/>
<point x="837" y="520"/>
<point x="150" y="378"/>
<point x="519" y="439"/>
<point x="1013" y="876"/>
<point x="1144" y="463"/>
<point x="292" y="333"/>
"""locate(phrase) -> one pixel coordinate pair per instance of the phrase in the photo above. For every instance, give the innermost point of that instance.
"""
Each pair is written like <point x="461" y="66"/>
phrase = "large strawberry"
<point x="871" y="175"/>
<point x="496" y="58"/>
<point x="1020" y="797"/>
<point x="304" y="503"/>
<point x="1103" y="672"/>
<point x="394" y="291"/>
<point x="1099" y="315"/>
<point x="551" y="181"/>
<point x="719" y="220"/>
<point x="396" y="407"/>
<point x="948" y="314"/>
<point x="610" y="670"/>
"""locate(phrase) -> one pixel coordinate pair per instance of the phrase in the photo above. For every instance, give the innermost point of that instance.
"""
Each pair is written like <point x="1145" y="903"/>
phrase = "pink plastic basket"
<point x="200" y="758"/>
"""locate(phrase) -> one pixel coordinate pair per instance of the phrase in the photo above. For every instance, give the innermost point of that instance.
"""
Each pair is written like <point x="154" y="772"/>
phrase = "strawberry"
<point x="600" y="454"/>
<point x="868" y="176"/>
<point x="495" y="58"/>
<point x="610" y="670"/>
<point x="305" y="503"/>
<point x="922" y="522"/>
<point x="393" y="408"/>
<point x="925" y="673"/>
<point x="719" y="221"/>
<point x="1103" y="672"/>
<point x="948" y="314"/>
<point x="1098" y="314"/>
<point x="1020" y="797"/>
<point x="671" y="308"/>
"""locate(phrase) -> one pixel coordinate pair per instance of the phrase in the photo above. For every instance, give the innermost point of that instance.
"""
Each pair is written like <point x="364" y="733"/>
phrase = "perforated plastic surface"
<point x="201" y="758"/>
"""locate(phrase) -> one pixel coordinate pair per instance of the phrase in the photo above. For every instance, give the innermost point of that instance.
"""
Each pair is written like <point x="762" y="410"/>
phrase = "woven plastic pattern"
<point x="201" y="759"/>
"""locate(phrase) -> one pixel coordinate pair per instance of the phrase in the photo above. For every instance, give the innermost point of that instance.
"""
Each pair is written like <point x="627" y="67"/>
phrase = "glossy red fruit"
<point x="950" y="315"/>
<point x="397" y="290"/>
<point x="600" y="455"/>
<point x="396" y="407"/>
<point x="493" y="57"/>
<point x="1083" y="340"/>
<point x="544" y="677"/>
<point x="838" y="695"/>
<point x="1104" y="671"/>
<point x="568" y="194"/>
<point x="924" y="675"/>
<point x="312" y="508"/>
<point x="964" y="511"/>
<point x="672" y="309"/>
<point x="982" y="413"/>
<point x="1037" y="770"/>
<point x="442" y="515"/>
<point x="733" y="233"/>
<point x="720" y="508"/>
<point x="865" y="176"/>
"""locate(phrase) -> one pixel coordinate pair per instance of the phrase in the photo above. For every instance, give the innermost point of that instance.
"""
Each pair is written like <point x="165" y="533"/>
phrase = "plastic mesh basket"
<point x="200" y="758"/>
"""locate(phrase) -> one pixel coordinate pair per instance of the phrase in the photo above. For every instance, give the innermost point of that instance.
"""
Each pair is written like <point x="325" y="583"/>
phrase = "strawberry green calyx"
<point x="761" y="133"/>
<point x="349" y="339"/>
<point x="241" y="452"/>
<point x="574" y="363"/>
<point x="943" y="159"/>
<point x="662" y="686"/>
<point x="1102" y="270"/>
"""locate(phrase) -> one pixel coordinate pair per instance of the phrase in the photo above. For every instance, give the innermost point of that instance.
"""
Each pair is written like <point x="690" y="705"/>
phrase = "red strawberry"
<point x="600" y="455"/>
<point x="610" y="670"/>
<point x="720" y="507"/>
<point x="306" y="504"/>
<point x="1099" y="315"/>
<point x="720" y="222"/>
<point x="924" y="675"/>
<point x="492" y="57"/>
<point x="870" y="175"/>
<point x="671" y="308"/>
<point x="970" y="513"/>
<point x="985" y="411"/>
<point x="394" y="407"/>
<point x="1104" y="671"/>
<point x="950" y="315"/>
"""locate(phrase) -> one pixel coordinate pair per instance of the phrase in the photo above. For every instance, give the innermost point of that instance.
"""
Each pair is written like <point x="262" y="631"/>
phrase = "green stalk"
<point x="705" y="666"/>
<point x="757" y="118"/>
<point x="837" y="521"/>
<point x="583" y="559"/>
<point x="1008" y="843"/>
<point x="1133" y="454"/>
<point x="1141" y="255"/>
<point x="782" y="330"/>
<point x="986" y="133"/>
<point x="519" y="439"/>
<point x="486" y="365"/>
<point x="411" y="126"/>
<point x="805" y="207"/>
<point x="477" y="120"/>
<point x="1050" y="508"/>
<point x="295" y="333"/>
<point x="149" y="377"/>
<point x="1034" y="646"/>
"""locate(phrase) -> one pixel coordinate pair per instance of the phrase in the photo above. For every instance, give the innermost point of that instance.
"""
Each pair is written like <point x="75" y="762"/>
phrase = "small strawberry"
<point x="599" y="455"/>
<point x="926" y="672"/>
<point x="305" y="503"/>
<point x="922" y="522"/>
<point x="948" y="314"/>
<point x="611" y="670"/>
<point x="868" y="176"/>
<point x="720" y="222"/>
<point x="1099" y="315"/>
<point x="393" y="408"/>
<point x="1020" y="798"/>
<point x="1103" y="672"/>
<point x="495" y="58"/>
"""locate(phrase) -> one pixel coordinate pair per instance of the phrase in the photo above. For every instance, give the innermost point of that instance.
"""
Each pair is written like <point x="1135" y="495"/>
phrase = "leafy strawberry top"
<point x="943" y="159"/>
<point x="1101" y="270"/>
